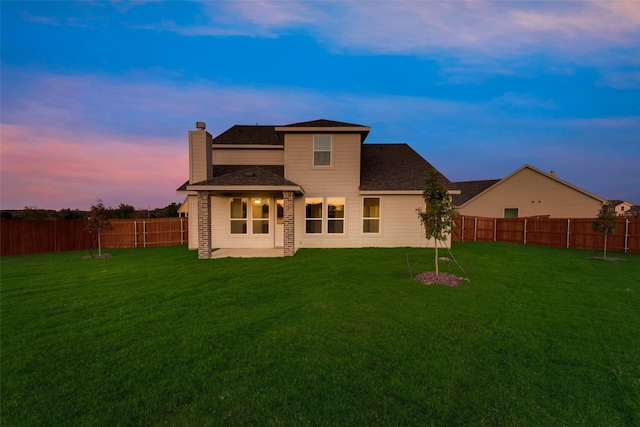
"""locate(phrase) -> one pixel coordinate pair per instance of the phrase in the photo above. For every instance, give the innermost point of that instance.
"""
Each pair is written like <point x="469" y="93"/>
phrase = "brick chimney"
<point x="200" y="154"/>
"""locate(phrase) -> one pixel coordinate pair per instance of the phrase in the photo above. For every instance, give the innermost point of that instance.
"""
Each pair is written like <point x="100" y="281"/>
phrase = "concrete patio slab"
<point x="248" y="253"/>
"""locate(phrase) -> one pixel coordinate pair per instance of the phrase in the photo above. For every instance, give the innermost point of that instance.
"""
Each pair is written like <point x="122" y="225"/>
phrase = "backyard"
<point x="154" y="336"/>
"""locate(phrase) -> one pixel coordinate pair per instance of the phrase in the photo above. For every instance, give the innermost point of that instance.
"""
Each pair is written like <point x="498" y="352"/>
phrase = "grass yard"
<point x="540" y="336"/>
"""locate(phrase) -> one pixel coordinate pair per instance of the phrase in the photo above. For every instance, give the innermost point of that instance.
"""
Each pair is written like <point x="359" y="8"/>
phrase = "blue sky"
<point x="97" y="97"/>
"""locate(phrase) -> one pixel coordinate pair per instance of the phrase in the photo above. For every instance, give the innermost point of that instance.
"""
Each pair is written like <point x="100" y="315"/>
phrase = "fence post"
<point x="182" y="231"/>
<point x="475" y="228"/>
<point x="462" y="235"/>
<point x="568" y="231"/>
<point x="144" y="233"/>
<point x="626" y="235"/>
<point x="135" y="234"/>
<point x="495" y="229"/>
<point x="525" y="231"/>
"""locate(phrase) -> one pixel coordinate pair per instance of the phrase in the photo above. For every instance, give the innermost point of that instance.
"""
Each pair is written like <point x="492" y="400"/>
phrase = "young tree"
<point x="99" y="221"/>
<point x="438" y="216"/>
<point x="606" y="223"/>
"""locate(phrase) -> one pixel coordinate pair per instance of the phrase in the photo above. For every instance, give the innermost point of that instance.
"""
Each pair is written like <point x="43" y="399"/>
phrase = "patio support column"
<point x="204" y="225"/>
<point x="289" y="224"/>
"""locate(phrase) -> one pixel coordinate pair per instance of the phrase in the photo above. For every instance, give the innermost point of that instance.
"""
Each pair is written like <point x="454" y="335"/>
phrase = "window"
<point x="511" y="212"/>
<point x="322" y="150"/>
<point x="335" y="215"/>
<point x="260" y="215"/>
<point x="313" y="215"/>
<point x="238" y="215"/>
<point x="371" y="215"/>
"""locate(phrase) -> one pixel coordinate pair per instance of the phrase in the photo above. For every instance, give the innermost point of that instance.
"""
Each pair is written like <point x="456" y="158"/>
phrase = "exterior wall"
<point x="228" y="156"/>
<point x="340" y="179"/>
<point x="221" y="234"/>
<point x="200" y="156"/>
<point x="622" y="208"/>
<point x="193" y="222"/>
<point x="533" y="194"/>
<point x="399" y="225"/>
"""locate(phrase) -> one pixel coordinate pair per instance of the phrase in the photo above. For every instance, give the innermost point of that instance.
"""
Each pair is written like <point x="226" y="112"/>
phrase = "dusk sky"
<point x="97" y="97"/>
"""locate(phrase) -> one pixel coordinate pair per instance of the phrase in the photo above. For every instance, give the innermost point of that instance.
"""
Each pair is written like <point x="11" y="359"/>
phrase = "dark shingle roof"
<point x="219" y="170"/>
<point x="321" y="123"/>
<point x="252" y="175"/>
<point x="247" y="134"/>
<point x="267" y="135"/>
<point x="394" y="167"/>
<point x="470" y="189"/>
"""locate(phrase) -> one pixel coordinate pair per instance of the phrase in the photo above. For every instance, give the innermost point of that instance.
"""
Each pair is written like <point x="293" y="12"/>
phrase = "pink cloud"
<point x="61" y="169"/>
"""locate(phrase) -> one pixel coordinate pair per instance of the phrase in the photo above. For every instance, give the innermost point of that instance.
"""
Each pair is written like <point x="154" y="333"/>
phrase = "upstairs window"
<point x="322" y="150"/>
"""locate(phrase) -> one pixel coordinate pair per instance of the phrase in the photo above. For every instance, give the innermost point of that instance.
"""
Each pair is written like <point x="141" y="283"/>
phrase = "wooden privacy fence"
<point x="137" y="233"/>
<point x="559" y="232"/>
<point x="20" y="237"/>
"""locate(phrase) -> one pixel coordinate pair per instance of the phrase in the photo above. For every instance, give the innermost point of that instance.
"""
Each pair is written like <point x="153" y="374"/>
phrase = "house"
<point x="314" y="184"/>
<point x="621" y="207"/>
<point x="634" y="211"/>
<point x="526" y="192"/>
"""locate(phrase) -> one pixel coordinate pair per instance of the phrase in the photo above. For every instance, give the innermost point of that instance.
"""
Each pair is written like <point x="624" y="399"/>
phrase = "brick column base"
<point x="289" y="224"/>
<point x="204" y="225"/>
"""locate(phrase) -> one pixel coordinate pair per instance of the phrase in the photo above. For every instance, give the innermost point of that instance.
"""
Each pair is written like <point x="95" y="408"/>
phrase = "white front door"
<point x="279" y="229"/>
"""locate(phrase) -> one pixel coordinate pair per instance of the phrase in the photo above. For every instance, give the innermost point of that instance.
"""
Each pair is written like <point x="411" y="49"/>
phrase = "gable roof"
<point x="547" y="175"/>
<point x="394" y="167"/>
<point x="252" y="175"/>
<point x="274" y="135"/>
<point x="321" y="123"/>
<point x="326" y="126"/>
<point x="470" y="189"/>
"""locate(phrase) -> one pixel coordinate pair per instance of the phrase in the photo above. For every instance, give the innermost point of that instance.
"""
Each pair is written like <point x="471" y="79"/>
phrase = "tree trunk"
<point x="435" y="245"/>
<point x="605" y="245"/>
<point x="99" y="248"/>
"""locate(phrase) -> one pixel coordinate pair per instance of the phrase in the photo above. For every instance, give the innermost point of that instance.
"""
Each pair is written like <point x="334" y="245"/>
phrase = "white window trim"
<point x="268" y="219"/>
<point x="325" y="216"/>
<point x="313" y="152"/>
<point x="245" y="219"/>
<point x="344" y="215"/>
<point x="249" y="218"/>
<point x="363" y="218"/>
<point x="321" y="219"/>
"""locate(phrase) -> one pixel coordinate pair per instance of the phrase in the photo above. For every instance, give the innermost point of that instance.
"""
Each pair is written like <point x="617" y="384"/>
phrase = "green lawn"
<point x="540" y="336"/>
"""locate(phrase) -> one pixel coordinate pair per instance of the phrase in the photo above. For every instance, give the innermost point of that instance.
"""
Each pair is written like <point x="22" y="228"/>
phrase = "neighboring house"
<point x="526" y="192"/>
<point x="305" y="185"/>
<point x="621" y="207"/>
<point x="634" y="211"/>
<point x="183" y="211"/>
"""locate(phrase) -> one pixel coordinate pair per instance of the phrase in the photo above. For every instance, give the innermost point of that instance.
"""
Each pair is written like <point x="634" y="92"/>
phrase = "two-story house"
<point x="305" y="185"/>
<point x="621" y="207"/>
